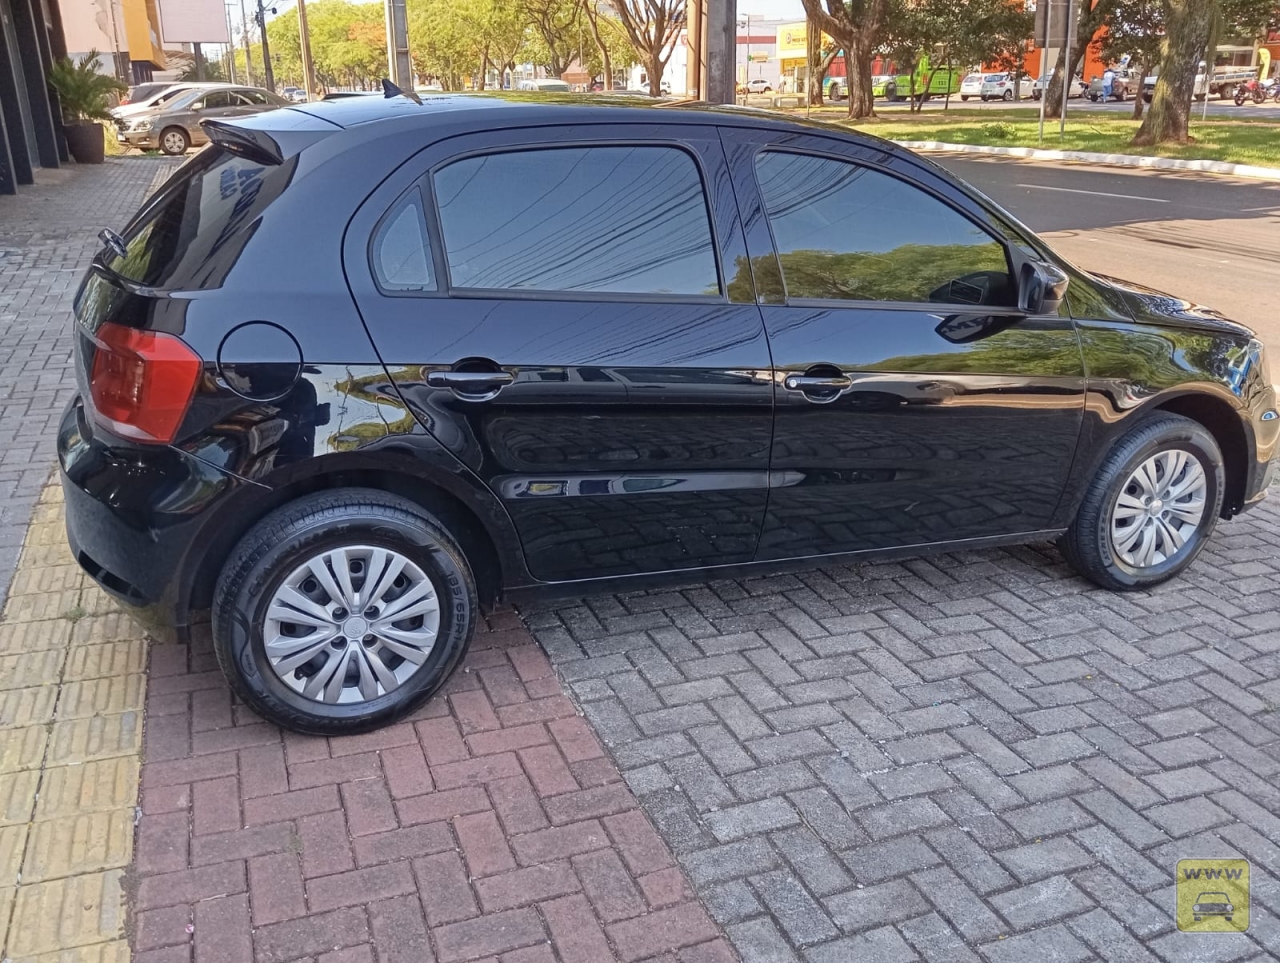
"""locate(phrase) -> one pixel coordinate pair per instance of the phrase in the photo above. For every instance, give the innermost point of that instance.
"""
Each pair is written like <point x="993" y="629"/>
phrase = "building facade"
<point x="30" y="119"/>
<point x="126" y="34"/>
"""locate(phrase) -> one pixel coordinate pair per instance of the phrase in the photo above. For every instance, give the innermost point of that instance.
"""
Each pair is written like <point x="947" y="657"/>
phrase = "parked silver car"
<point x="174" y="127"/>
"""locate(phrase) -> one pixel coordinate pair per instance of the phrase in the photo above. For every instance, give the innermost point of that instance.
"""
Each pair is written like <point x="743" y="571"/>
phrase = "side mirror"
<point x="1041" y="288"/>
<point x="198" y="105"/>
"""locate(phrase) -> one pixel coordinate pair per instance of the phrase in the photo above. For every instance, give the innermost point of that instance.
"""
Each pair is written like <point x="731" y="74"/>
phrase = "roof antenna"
<point x="390" y="90"/>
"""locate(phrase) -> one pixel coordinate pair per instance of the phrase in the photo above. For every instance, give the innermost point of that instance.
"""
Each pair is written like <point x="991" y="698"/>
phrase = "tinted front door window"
<point x="848" y="233"/>
<point x="625" y="220"/>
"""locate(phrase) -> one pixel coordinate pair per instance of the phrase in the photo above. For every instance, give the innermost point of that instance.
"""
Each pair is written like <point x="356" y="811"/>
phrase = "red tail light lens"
<point x="142" y="382"/>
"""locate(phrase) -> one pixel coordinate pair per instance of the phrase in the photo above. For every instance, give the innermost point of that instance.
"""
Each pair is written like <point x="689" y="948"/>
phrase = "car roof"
<point x="510" y="109"/>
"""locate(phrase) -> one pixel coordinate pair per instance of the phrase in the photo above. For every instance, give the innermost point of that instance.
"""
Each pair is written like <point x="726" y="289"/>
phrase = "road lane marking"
<point x="1073" y="190"/>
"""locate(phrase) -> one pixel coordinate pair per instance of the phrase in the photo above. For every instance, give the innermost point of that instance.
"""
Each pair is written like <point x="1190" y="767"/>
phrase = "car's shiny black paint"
<point x="683" y="400"/>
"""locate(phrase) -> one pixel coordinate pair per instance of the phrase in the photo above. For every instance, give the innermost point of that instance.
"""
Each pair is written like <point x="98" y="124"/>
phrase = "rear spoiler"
<point x="255" y="144"/>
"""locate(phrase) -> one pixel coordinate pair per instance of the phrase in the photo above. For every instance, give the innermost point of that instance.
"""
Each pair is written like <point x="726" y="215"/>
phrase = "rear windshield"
<point x="203" y="212"/>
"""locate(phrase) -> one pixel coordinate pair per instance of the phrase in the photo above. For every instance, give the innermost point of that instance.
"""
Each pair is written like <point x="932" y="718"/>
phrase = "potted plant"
<point x="84" y="94"/>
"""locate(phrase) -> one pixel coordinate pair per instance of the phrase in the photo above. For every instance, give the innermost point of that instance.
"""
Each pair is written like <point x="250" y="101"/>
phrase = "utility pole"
<point x="398" y="45"/>
<point x="231" y="48"/>
<point x="248" y="52"/>
<point x="693" y="41"/>
<point x="722" y="50"/>
<point x="266" y="49"/>
<point x="308" y="78"/>
<point x="199" y="55"/>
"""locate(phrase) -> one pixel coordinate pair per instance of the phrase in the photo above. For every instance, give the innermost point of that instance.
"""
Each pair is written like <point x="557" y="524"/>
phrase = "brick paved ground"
<point x="71" y="697"/>
<point x="971" y="757"/>
<point x="47" y="234"/>
<point x="491" y="827"/>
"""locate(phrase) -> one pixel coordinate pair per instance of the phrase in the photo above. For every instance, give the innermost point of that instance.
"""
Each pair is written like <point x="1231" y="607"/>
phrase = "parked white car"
<point x="971" y="86"/>
<point x="758" y="85"/>
<point x="157" y="99"/>
<point x="997" y="87"/>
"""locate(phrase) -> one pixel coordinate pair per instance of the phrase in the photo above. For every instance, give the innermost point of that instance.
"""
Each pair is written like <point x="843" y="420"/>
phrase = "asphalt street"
<point x="1204" y="237"/>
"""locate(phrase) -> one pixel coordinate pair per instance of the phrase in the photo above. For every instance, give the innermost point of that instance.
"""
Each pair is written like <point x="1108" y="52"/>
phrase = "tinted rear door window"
<point x="617" y="219"/>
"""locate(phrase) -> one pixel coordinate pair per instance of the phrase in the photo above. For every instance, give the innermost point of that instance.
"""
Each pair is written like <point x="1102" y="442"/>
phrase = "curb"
<point x="1090" y="157"/>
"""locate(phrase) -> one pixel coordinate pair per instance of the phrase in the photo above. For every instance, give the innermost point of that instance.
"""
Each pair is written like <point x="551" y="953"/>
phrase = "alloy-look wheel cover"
<point x="351" y="624"/>
<point x="1159" y="509"/>
<point x="173" y="141"/>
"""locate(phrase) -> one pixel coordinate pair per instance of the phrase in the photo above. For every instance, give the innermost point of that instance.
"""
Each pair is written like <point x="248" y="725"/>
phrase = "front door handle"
<point x="821" y="383"/>
<point x="470" y="382"/>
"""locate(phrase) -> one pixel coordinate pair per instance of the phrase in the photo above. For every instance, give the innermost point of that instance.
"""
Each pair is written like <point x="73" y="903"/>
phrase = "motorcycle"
<point x="1250" y="90"/>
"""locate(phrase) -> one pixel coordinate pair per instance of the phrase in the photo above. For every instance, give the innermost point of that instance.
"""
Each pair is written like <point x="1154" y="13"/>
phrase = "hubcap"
<point x="1159" y="509"/>
<point x="351" y="624"/>
<point x="173" y="141"/>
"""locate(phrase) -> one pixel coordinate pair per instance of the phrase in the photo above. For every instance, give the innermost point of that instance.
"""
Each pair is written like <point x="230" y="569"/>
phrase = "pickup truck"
<point x="1222" y="82"/>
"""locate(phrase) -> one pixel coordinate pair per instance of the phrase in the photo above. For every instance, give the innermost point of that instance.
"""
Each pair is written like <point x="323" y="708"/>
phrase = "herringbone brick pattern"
<point x="968" y="757"/>
<point x="492" y="826"/>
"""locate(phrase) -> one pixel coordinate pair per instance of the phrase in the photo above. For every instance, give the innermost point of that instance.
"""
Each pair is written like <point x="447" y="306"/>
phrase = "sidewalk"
<point x="48" y="232"/>
<point x="491" y="827"/>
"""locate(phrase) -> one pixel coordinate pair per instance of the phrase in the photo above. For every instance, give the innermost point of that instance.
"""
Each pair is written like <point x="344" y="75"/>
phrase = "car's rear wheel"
<point x="174" y="140"/>
<point x="1008" y="95"/>
<point x="342" y="611"/>
<point x="1151" y="507"/>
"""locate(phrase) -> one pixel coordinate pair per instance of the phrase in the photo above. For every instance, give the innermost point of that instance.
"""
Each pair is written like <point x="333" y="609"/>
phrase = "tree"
<point x="555" y="23"/>
<point x="820" y="53"/>
<point x="1089" y="20"/>
<point x="611" y="38"/>
<point x="1188" y="25"/>
<point x="857" y="27"/>
<point x="652" y="26"/>
<point x="1136" y="30"/>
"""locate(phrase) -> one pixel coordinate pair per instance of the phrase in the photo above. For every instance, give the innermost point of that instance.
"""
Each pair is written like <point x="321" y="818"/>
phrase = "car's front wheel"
<point x="175" y="141"/>
<point x="1151" y="507"/>
<point x="343" y="611"/>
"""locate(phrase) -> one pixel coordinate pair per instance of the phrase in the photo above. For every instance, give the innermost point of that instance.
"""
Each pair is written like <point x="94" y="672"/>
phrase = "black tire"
<point x="288" y="537"/>
<point x="1008" y="95"/>
<point x="178" y="135"/>
<point x="1087" y="543"/>
<point x="964" y="97"/>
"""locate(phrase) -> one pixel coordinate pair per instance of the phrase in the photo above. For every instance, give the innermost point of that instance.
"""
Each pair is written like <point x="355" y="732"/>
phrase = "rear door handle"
<point x="470" y="382"/>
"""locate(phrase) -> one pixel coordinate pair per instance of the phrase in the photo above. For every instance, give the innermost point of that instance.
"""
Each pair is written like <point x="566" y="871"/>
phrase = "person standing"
<point x="1108" y="81"/>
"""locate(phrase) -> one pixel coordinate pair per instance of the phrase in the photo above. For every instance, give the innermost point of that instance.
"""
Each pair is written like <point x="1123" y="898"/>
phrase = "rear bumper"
<point x="134" y="517"/>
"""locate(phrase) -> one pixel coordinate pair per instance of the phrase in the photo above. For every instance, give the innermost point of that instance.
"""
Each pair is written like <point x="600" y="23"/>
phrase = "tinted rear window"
<point x="200" y="211"/>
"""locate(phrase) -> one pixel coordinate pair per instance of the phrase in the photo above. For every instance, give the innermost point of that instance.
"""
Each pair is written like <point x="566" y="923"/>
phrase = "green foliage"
<point x="348" y="44"/>
<point x="1243" y="140"/>
<point x="999" y="130"/>
<point x="83" y="92"/>
<point x="909" y="272"/>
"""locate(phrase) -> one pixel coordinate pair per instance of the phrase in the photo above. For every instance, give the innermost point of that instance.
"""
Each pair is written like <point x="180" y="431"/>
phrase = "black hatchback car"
<point x="360" y="368"/>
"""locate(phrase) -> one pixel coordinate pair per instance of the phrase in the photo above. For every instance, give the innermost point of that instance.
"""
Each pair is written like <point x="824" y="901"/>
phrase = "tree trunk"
<point x="653" y="64"/>
<point x="1188" y="24"/>
<point x="484" y="67"/>
<point x="1088" y="21"/>
<point x="813" y="54"/>
<point x="1138" y="103"/>
<point x="594" y="23"/>
<point x="858" y="54"/>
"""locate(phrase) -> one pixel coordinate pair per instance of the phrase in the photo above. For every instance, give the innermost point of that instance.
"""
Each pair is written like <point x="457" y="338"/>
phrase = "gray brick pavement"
<point x="47" y="235"/>
<point x="967" y="757"/>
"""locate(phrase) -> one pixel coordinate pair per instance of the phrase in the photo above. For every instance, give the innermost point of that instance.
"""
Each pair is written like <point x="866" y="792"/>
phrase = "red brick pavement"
<point x="490" y="826"/>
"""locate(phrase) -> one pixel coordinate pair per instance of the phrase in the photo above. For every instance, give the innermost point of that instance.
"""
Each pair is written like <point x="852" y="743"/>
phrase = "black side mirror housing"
<point x="1042" y="287"/>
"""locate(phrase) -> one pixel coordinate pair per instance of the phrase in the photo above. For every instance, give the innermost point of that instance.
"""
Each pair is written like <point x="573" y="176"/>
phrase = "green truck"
<point x="930" y="81"/>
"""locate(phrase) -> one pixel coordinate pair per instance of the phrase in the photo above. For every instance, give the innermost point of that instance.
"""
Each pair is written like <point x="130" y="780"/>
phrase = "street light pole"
<point x="266" y="49"/>
<point x="398" y="45"/>
<point x="308" y="77"/>
<point x="722" y="50"/>
<point x="248" y="50"/>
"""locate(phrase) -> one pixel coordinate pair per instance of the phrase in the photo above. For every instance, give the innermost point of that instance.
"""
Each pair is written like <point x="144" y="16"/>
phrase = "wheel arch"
<point x="1222" y="421"/>
<point x="488" y="548"/>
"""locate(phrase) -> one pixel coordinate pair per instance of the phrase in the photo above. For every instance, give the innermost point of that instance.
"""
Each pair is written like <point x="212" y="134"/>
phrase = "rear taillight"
<point x="142" y="382"/>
